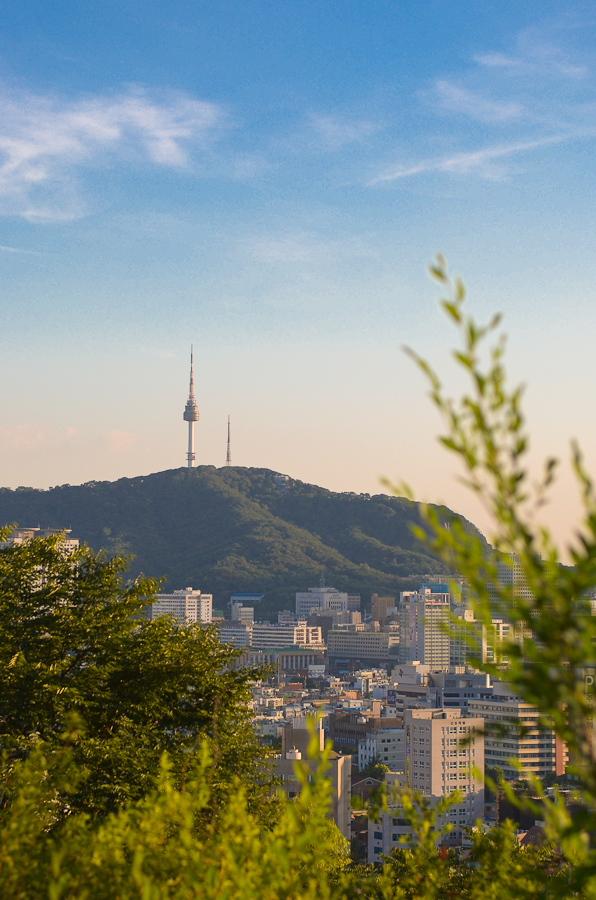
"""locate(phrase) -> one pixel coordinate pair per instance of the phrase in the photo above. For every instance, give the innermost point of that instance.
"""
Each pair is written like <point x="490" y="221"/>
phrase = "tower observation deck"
<point x="191" y="415"/>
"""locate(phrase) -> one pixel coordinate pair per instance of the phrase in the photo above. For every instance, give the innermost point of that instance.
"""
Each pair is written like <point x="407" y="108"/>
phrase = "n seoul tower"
<point x="191" y="415"/>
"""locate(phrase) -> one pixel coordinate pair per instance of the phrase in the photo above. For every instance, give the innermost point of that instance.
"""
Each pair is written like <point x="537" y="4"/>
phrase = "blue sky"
<point x="269" y="182"/>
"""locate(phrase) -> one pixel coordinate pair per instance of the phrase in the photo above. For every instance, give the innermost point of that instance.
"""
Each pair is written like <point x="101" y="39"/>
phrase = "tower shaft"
<point x="190" y="456"/>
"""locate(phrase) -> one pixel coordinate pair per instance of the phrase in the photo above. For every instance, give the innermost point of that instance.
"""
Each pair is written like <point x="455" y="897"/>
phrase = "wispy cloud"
<point x="334" y="132"/>
<point x="305" y="248"/>
<point x="4" y="249"/>
<point x="534" y="54"/>
<point x="532" y="97"/>
<point x="46" y="140"/>
<point x="472" y="103"/>
<point x="480" y="162"/>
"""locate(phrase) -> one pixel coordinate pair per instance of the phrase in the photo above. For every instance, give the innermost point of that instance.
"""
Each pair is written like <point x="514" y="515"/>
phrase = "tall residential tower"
<point x="191" y="415"/>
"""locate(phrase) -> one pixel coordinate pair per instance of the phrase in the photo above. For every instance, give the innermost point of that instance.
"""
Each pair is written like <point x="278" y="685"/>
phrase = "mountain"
<point x="239" y="529"/>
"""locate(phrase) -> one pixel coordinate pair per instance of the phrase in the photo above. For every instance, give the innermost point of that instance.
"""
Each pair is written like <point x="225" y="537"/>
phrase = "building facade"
<point x="188" y="606"/>
<point x="424" y="619"/>
<point x="320" y="598"/>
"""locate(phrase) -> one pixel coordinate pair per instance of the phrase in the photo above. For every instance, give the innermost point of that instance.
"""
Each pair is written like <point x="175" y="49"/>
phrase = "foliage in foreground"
<point x="176" y="844"/>
<point x="75" y="641"/>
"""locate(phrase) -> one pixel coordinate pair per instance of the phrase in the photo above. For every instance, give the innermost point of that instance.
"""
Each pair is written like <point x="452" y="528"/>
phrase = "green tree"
<point x="75" y="642"/>
<point x="553" y="665"/>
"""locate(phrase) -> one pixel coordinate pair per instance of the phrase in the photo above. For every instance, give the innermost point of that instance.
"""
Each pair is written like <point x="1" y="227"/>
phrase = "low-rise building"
<point x="368" y="647"/>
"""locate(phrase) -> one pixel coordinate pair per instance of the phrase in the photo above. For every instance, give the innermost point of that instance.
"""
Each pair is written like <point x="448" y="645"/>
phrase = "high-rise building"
<point x="443" y="750"/>
<point x="187" y="606"/>
<point x="424" y="618"/>
<point x="191" y="415"/>
<point x="514" y="735"/>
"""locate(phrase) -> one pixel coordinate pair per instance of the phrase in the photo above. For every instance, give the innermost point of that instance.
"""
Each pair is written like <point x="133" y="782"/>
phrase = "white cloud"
<point x="479" y="162"/>
<point x="45" y="140"/>
<point x="119" y="442"/>
<point x="470" y="103"/>
<point x="31" y="437"/>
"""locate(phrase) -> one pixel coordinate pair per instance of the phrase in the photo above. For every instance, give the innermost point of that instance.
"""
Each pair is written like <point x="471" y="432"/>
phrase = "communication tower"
<point x="191" y="415"/>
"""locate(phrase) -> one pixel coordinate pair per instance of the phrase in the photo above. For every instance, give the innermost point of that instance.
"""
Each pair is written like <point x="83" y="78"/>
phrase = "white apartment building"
<point x="320" y="598"/>
<point x="187" y="606"/>
<point x="265" y="636"/>
<point x="423" y="619"/>
<point x="438" y="762"/>
<point x="387" y="745"/>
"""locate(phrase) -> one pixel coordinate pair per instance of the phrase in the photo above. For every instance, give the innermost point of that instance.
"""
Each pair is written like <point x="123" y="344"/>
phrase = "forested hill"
<point x="235" y="529"/>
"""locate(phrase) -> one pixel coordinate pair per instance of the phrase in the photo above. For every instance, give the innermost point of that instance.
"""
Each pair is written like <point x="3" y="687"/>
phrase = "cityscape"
<point x="297" y="453"/>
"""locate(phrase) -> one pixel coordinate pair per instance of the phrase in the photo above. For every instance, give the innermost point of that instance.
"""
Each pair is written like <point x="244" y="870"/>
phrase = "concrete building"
<point x="243" y="614"/>
<point x="388" y="745"/>
<point x="379" y="607"/>
<point x="354" y="602"/>
<point x="320" y="598"/>
<point x="513" y="732"/>
<point x="296" y="738"/>
<point x="187" y="606"/>
<point x="23" y="535"/>
<point x="438" y="762"/>
<point x="265" y="637"/>
<point x="367" y="647"/>
<point x="411" y="688"/>
<point x="235" y="633"/>
<point x="423" y="619"/>
<point x="329" y="619"/>
<point x="245" y="599"/>
<point x="347" y="729"/>
<point x="471" y="639"/>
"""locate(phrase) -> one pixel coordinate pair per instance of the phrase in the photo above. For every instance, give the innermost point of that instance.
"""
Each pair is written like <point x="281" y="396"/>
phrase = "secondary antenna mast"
<point x="229" y="453"/>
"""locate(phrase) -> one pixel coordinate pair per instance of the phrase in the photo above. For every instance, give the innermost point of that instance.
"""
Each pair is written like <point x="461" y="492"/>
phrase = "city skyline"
<point x="274" y="183"/>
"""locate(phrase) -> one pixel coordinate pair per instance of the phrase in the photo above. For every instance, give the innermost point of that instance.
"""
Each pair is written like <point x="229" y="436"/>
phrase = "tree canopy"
<point x="78" y="654"/>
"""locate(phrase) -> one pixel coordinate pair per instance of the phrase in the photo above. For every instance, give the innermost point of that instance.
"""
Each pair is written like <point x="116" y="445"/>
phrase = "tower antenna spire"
<point x="229" y="453"/>
<point x="191" y="415"/>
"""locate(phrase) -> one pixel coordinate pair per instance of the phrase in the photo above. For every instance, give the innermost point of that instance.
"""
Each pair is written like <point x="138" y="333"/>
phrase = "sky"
<point x="269" y="182"/>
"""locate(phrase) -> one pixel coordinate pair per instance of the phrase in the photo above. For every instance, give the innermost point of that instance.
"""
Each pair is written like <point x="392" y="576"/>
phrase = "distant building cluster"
<point x="394" y="690"/>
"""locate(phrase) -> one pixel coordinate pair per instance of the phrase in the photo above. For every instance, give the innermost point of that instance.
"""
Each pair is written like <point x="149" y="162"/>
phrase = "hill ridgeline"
<point x="239" y="529"/>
